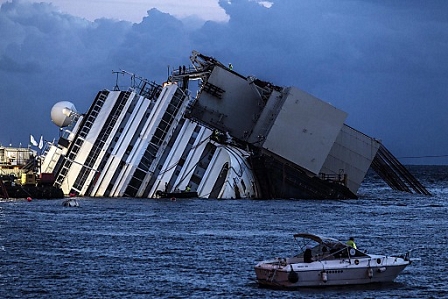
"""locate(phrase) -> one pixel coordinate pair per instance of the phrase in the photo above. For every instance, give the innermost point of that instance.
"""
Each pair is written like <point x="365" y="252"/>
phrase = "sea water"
<point x="197" y="248"/>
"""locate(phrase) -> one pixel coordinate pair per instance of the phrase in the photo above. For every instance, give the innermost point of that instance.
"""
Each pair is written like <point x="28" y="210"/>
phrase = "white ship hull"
<point x="319" y="274"/>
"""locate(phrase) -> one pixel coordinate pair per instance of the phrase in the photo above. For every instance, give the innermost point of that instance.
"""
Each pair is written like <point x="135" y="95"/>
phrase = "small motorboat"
<point x="328" y="262"/>
<point x="183" y="194"/>
<point x="71" y="202"/>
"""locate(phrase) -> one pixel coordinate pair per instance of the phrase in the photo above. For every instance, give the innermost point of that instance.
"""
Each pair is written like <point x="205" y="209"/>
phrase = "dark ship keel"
<point x="279" y="179"/>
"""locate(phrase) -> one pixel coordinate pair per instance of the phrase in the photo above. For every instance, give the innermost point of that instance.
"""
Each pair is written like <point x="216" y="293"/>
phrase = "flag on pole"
<point x="33" y="141"/>
<point x="41" y="142"/>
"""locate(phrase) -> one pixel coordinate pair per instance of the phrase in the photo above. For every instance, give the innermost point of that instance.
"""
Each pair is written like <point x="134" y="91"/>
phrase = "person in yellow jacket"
<point x="351" y="242"/>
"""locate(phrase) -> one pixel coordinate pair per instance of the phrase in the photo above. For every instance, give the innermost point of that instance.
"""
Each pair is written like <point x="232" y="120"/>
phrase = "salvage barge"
<point x="20" y="176"/>
<point x="238" y="137"/>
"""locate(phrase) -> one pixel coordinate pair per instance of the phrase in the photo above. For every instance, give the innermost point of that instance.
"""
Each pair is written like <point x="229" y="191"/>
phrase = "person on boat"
<point x="307" y="255"/>
<point x="351" y="242"/>
<point x="187" y="189"/>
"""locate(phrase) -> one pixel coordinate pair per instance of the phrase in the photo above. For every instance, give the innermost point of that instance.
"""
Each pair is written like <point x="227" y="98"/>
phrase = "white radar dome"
<point x="63" y="113"/>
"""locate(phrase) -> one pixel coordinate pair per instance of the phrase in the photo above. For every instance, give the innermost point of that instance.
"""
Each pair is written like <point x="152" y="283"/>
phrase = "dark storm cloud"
<point x="10" y="65"/>
<point x="382" y="62"/>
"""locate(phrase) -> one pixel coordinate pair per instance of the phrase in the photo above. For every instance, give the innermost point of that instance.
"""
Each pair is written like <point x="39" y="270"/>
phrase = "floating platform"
<point x="10" y="189"/>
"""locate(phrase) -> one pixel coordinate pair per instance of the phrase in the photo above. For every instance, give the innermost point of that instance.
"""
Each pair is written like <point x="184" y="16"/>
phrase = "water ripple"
<point x="144" y="248"/>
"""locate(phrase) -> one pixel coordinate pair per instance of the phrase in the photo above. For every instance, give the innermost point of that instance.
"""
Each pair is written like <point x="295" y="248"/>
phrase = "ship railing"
<point x="340" y="178"/>
<point x="139" y="85"/>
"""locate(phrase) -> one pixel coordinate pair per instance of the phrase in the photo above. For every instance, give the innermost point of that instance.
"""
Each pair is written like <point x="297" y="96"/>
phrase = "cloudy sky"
<point x="383" y="62"/>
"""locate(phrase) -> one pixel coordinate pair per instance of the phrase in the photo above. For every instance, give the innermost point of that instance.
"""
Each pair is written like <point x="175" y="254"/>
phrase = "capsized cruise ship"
<point x="236" y="137"/>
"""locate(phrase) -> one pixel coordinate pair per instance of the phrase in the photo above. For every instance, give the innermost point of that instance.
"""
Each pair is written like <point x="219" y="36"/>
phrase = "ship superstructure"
<point x="14" y="161"/>
<point x="239" y="137"/>
<point x="136" y="142"/>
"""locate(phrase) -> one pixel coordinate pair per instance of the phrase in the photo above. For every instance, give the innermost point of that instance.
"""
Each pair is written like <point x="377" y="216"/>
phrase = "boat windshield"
<point x="325" y="248"/>
<point x="311" y="240"/>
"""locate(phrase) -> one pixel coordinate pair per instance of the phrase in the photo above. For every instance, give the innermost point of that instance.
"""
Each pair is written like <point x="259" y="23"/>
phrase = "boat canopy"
<point x="331" y="242"/>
